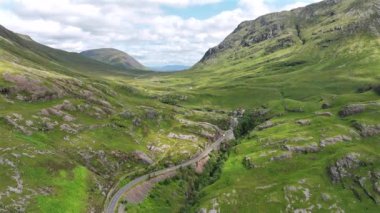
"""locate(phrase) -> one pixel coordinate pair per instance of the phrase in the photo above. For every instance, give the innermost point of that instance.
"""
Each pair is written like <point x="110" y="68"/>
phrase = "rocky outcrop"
<point x="367" y="130"/>
<point x="15" y="121"/>
<point x="334" y="140"/>
<point x="26" y="88"/>
<point x="341" y="168"/>
<point x="312" y="148"/>
<point x="183" y="137"/>
<point x="352" y="109"/>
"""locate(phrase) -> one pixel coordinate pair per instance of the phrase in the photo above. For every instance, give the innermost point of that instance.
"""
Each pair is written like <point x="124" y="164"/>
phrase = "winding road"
<point x="225" y="136"/>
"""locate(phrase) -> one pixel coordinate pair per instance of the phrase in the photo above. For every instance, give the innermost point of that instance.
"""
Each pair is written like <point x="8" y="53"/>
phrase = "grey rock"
<point x="313" y="148"/>
<point x="136" y="122"/>
<point x="282" y="157"/>
<point x="126" y="114"/>
<point x="266" y="125"/>
<point x="151" y="114"/>
<point x="327" y="114"/>
<point x="183" y="137"/>
<point x="340" y="169"/>
<point x="352" y="110"/>
<point x="367" y="130"/>
<point x="326" y="197"/>
<point x="67" y="128"/>
<point x="141" y="156"/>
<point x="326" y="105"/>
<point x="334" y="140"/>
<point x="303" y="122"/>
<point x="247" y="162"/>
<point x="234" y="122"/>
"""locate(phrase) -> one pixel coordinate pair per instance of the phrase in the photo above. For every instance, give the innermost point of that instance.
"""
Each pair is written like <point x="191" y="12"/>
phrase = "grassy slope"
<point x="55" y="174"/>
<point x="298" y="77"/>
<point x="301" y="76"/>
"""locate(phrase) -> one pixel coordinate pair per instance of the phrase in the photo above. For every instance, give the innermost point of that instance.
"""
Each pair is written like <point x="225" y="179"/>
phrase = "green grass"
<point x="71" y="195"/>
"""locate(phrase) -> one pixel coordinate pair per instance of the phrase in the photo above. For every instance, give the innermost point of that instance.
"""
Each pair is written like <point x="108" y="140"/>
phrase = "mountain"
<point x="170" y="68"/>
<point x="40" y="55"/>
<point x="299" y="90"/>
<point x="320" y="24"/>
<point x="113" y="57"/>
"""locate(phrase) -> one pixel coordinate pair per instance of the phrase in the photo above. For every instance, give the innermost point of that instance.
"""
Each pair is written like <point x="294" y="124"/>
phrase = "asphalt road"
<point x="110" y="208"/>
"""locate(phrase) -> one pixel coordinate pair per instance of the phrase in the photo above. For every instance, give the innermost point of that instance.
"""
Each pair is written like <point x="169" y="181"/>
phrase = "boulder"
<point x="136" y="122"/>
<point x="67" y="128"/>
<point x="282" y="157"/>
<point x="66" y="105"/>
<point x="266" y="125"/>
<point x="326" y="105"/>
<point x="29" y="123"/>
<point x="151" y="114"/>
<point x="304" y="122"/>
<point x="352" y="110"/>
<point x="327" y="114"/>
<point x="68" y="118"/>
<point x="141" y="156"/>
<point x="334" y="140"/>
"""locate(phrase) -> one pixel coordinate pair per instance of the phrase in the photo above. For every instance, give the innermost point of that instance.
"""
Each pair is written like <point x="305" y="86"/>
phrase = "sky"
<point x="155" y="32"/>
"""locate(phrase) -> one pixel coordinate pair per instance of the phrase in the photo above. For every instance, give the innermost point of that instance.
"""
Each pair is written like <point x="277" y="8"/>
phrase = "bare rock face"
<point x="334" y="140"/>
<point x="367" y="130"/>
<point x="141" y="156"/>
<point x="352" y="110"/>
<point x="341" y="168"/>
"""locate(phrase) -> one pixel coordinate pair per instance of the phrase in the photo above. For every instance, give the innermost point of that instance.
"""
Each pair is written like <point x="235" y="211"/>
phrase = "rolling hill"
<point x="113" y="57"/>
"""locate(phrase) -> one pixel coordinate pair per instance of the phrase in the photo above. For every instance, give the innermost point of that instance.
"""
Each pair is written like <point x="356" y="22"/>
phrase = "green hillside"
<point x="303" y="84"/>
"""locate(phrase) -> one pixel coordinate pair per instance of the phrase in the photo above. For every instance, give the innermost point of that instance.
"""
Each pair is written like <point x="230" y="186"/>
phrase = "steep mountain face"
<point x="320" y="24"/>
<point x="113" y="57"/>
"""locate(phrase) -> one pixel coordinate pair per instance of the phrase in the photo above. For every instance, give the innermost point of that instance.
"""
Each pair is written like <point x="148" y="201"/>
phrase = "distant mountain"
<point x="113" y="57"/>
<point x="170" y="68"/>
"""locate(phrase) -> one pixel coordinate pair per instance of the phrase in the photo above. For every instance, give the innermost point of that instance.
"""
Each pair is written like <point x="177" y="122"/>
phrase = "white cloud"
<point x="140" y="28"/>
